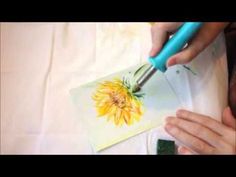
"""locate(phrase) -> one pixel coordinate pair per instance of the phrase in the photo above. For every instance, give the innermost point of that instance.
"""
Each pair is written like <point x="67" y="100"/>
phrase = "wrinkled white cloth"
<point x="41" y="62"/>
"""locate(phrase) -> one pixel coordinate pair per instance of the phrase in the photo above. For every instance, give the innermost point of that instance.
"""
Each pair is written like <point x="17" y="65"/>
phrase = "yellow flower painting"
<point x="115" y="100"/>
<point x="112" y="111"/>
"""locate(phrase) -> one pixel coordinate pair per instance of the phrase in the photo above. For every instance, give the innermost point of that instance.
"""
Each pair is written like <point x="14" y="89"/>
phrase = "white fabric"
<point x="41" y="62"/>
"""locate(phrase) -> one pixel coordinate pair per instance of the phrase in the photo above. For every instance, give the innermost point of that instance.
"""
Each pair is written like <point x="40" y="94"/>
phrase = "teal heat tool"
<point x="173" y="46"/>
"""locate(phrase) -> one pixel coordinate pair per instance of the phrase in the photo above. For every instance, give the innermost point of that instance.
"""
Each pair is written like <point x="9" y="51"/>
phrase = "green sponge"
<point x="165" y="147"/>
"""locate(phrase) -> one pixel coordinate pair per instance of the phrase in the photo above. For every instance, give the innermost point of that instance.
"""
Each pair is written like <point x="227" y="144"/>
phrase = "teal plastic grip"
<point x="175" y="44"/>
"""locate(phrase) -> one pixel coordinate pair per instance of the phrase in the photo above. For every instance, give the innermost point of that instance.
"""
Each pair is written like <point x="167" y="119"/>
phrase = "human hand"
<point x="161" y="32"/>
<point x="201" y="134"/>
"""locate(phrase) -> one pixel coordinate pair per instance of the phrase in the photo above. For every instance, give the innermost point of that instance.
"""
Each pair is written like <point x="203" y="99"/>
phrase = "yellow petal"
<point x="121" y="120"/>
<point x="103" y="110"/>
<point x="117" y="116"/>
<point x="111" y="114"/>
<point x="126" y="116"/>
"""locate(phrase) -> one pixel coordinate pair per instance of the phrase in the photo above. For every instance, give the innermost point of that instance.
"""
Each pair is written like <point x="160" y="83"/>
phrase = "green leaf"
<point x="189" y="69"/>
<point x="139" y="94"/>
<point x="140" y="69"/>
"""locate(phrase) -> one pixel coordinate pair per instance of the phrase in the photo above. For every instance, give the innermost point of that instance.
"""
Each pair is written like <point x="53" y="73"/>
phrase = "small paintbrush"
<point x="173" y="46"/>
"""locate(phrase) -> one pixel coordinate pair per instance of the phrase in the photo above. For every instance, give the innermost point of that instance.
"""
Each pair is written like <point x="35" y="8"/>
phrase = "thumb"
<point x="203" y="38"/>
<point x="186" y="55"/>
<point x="228" y="119"/>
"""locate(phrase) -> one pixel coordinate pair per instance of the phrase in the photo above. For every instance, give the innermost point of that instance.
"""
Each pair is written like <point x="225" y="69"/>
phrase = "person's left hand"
<point x="201" y="134"/>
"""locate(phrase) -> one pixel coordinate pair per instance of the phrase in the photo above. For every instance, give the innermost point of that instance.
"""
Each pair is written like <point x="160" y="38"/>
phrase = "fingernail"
<point x="168" y="126"/>
<point x="151" y="54"/>
<point x="171" y="62"/>
<point x="171" y="129"/>
<point x="181" y="149"/>
<point x="229" y="109"/>
<point x="168" y="119"/>
<point x="179" y="112"/>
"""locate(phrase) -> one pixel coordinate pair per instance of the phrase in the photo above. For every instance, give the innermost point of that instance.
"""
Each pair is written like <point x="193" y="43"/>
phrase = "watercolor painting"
<point x="112" y="112"/>
<point x="114" y="100"/>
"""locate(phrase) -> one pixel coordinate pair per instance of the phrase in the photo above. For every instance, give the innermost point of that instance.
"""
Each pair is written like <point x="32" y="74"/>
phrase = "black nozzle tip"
<point x="136" y="88"/>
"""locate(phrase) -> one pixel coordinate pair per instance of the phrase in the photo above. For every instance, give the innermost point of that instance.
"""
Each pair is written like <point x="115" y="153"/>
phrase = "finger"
<point x="203" y="120"/>
<point x="159" y="37"/>
<point x="160" y="33"/>
<point x="199" y="131"/>
<point x="169" y="26"/>
<point x="184" y="150"/>
<point x="192" y="142"/>
<point x="186" y="55"/>
<point x="191" y="51"/>
<point x="228" y="118"/>
<point x="201" y="40"/>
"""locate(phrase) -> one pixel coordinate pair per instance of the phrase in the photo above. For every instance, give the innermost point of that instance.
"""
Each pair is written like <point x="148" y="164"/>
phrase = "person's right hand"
<point x="161" y="32"/>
